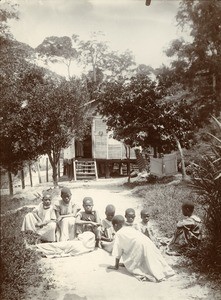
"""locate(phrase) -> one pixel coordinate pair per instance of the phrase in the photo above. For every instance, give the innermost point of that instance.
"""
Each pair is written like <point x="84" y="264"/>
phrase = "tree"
<point x="39" y="114"/>
<point x="125" y="105"/>
<point x="177" y="127"/>
<point x="135" y="111"/>
<point x="58" y="50"/>
<point x="7" y="11"/>
<point x="14" y="61"/>
<point x="196" y="64"/>
<point x="53" y="115"/>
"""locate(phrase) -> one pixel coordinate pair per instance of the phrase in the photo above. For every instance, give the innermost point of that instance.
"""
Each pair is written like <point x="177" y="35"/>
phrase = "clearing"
<point x="86" y="276"/>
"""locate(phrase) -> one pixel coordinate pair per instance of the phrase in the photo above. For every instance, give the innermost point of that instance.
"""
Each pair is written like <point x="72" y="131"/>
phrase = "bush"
<point x="207" y="183"/>
<point x="19" y="265"/>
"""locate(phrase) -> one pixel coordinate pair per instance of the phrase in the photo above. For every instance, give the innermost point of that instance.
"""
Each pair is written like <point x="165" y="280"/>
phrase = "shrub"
<point x="19" y="265"/>
<point x="207" y="183"/>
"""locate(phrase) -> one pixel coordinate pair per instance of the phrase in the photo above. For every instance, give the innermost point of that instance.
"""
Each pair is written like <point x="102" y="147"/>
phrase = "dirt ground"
<point x="86" y="276"/>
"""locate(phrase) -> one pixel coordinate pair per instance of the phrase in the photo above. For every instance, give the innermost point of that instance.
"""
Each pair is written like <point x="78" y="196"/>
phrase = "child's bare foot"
<point x="112" y="268"/>
<point x="121" y="265"/>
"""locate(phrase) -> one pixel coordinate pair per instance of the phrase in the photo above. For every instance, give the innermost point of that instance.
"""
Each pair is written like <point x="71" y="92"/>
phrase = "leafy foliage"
<point x="196" y="63"/>
<point x="207" y="183"/>
<point x="58" y="50"/>
<point x="13" y="64"/>
<point x="134" y="109"/>
<point x="19" y="265"/>
<point x="40" y="112"/>
<point x="53" y="114"/>
<point x="7" y="11"/>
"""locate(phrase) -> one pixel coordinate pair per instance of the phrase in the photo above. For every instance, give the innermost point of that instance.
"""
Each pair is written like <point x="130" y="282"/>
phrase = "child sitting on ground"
<point x="88" y="220"/>
<point x="130" y="216"/>
<point x="42" y="220"/>
<point x="188" y="232"/>
<point x="66" y="211"/>
<point x="145" y="227"/>
<point x="107" y="229"/>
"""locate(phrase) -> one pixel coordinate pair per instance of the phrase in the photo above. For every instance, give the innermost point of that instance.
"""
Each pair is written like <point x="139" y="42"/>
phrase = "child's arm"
<point x="66" y="216"/>
<point x="116" y="266"/>
<point x="98" y="220"/>
<point x="185" y="222"/>
<point x="75" y="210"/>
<point x="81" y="222"/>
<point x="38" y="219"/>
<point x="45" y="223"/>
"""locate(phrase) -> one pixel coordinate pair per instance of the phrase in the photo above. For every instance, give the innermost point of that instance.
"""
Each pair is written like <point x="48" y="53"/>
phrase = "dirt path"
<point x="86" y="276"/>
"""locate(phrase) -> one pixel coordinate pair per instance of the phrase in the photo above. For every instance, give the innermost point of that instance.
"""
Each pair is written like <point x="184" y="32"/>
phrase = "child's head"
<point x="187" y="208"/>
<point x="145" y="215"/>
<point x="66" y="194"/>
<point x="88" y="204"/>
<point x="47" y="200"/>
<point x="118" y="221"/>
<point x="130" y="215"/>
<point x="109" y="212"/>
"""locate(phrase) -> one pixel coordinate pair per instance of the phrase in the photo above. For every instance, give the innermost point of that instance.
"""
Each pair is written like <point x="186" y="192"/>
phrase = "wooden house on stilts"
<point x="98" y="155"/>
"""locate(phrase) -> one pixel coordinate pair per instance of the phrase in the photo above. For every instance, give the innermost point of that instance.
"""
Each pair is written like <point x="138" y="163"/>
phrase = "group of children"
<point x="65" y="220"/>
<point x="119" y="235"/>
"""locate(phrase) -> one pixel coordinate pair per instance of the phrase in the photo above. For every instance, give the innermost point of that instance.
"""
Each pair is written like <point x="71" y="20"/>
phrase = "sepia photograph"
<point x="110" y="149"/>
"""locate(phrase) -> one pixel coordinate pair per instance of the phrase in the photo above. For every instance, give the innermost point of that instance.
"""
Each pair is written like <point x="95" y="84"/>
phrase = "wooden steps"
<point x="85" y="170"/>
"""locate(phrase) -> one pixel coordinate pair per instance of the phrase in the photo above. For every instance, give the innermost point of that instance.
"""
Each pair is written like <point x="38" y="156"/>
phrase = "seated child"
<point x="88" y="220"/>
<point x="66" y="211"/>
<point x="145" y="227"/>
<point x="107" y="235"/>
<point x="42" y="220"/>
<point x="130" y="216"/>
<point x="188" y="232"/>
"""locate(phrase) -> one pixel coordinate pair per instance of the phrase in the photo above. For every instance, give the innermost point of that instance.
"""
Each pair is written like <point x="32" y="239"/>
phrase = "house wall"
<point x="99" y="138"/>
<point x="103" y="147"/>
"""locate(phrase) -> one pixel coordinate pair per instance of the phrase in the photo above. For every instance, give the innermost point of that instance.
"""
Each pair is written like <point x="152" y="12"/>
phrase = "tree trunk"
<point x="22" y="179"/>
<point x="10" y="183"/>
<point x="155" y="151"/>
<point x="128" y="162"/>
<point x="54" y="163"/>
<point x="183" y="168"/>
<point x="39" y="173"/>
<point x="59" y="171"/>
<point x="30" y="175"/>
<point x="55" y="174"/>
<point x="47" y="170"/>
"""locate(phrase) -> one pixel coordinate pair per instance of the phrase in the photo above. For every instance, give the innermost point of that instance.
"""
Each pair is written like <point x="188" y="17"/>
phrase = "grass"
<point x="164" y="203"/>
<point x="9" y="204"/>
<point x="20" y="267"/>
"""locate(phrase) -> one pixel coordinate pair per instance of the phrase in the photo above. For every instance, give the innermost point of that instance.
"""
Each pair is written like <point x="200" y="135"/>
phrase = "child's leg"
<point x="29" y="223"/>
<point x="97" y="232"/>
<point x="78" y="229"/>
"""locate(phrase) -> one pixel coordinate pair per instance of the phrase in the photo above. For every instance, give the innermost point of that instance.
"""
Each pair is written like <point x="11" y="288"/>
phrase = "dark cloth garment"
<point x="93" y="217"/>
<point x="188" y="233"/>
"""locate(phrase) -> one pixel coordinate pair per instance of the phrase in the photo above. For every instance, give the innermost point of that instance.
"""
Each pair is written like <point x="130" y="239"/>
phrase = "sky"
<point x="127" y="24"/>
